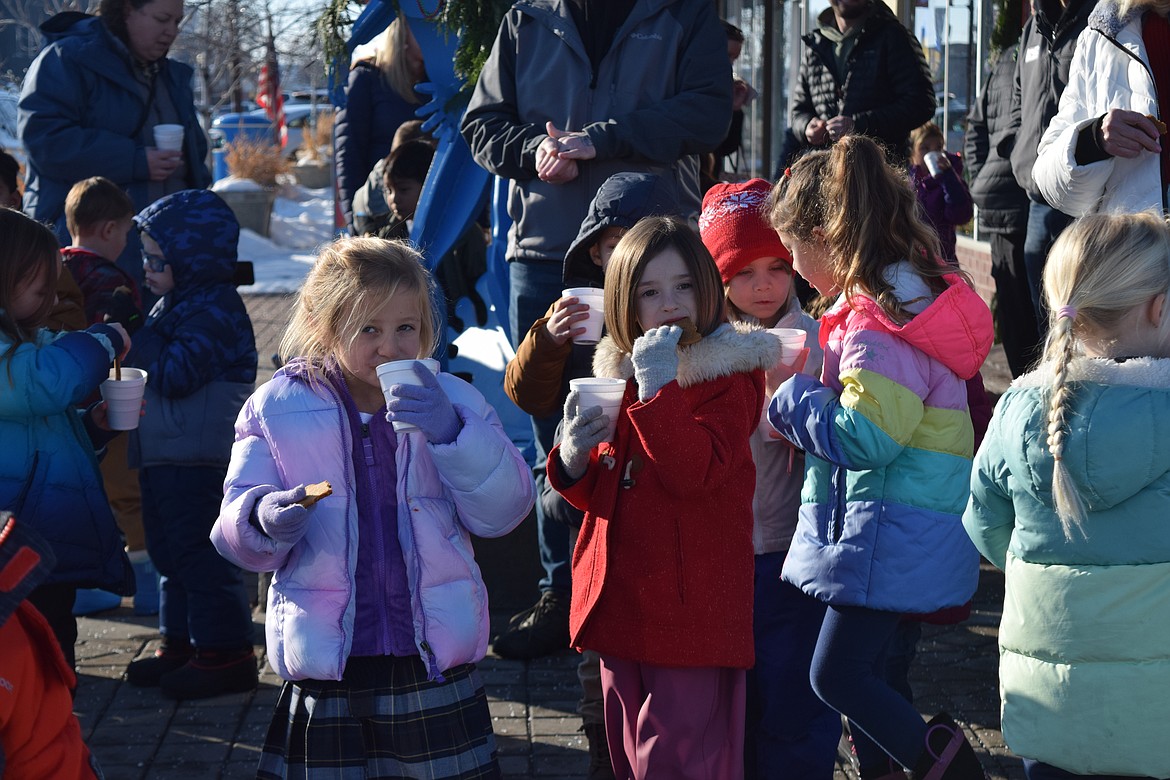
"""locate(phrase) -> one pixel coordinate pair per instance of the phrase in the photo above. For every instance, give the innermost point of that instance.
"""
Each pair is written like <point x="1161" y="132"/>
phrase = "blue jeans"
<point x="790" y="732"/>
<point x="1035" y="770"/>
<point x="202" y="597"/>
<point x="1045" y="224"/>
<point x="535" y="284"/>
<point x="849" y="674"/>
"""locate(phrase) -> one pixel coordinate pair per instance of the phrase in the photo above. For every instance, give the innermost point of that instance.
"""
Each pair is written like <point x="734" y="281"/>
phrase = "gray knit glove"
<point x="655" y="359"/>
<point x="583" y="430"/>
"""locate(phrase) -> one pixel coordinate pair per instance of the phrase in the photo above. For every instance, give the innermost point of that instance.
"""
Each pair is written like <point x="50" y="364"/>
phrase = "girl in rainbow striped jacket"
<point x="887" y="434"/>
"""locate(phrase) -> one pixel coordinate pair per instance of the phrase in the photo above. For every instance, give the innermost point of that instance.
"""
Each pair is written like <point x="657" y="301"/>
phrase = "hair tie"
<point x="787" y="172"/>
<point x="1067" y="311"/>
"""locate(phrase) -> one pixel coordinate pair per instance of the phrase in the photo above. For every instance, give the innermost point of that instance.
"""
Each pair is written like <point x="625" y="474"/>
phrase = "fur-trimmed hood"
<point x="1107" y="19"/>
<point x="1118" y="429"/>
<point x="730" y="349"/>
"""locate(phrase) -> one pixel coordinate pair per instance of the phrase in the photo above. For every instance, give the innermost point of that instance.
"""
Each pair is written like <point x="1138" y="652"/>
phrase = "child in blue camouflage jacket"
<point x="199" y="352"/>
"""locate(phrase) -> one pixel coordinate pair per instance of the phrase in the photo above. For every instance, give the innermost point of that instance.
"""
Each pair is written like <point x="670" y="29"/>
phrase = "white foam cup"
<point x="933" y="162"/>
<point x="168" y="137"/>
<point x="123" y="398"/>
<point x="401" y="372"/>
<point x="595" y="297"/>
<point x="604" y="392"/>
<point x="791" y="343"/>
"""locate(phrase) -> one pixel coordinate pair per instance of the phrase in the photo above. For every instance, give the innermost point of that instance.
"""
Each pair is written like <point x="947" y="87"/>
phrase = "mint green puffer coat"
<point x="1085" y="637"/>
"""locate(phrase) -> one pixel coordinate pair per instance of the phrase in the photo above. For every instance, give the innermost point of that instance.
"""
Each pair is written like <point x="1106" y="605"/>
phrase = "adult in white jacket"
<point x="1102" y="151"/>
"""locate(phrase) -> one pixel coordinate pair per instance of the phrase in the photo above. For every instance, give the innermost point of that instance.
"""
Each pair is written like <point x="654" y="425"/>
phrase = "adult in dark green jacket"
<point x="862" y="72"/>
<point x="89" y="105"/>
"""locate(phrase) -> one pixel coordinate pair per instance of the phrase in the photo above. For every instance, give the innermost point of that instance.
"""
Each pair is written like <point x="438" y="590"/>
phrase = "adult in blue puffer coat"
<point x="89" y="106"/>
<point x="198" y="348"/>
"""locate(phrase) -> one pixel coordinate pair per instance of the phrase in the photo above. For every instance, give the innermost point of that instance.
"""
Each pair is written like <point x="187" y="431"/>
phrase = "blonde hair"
<point x="391" y="60"/>
<point x="870" y="217"/>
<point x="921" y="133"/>
<point x="1160" y="7"/>
<point x="93" y="201"/>
<point x="641" y="244"/>
<point x="350" y="280"/>
<point x="1099" y="269"/>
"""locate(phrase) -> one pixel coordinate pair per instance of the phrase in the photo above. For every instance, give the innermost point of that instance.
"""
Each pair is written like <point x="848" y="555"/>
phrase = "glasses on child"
<point x="155" y="263"/>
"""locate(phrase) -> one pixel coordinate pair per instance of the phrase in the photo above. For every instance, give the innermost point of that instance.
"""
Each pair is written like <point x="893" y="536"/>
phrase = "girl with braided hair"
<point x="1070" y="495"/>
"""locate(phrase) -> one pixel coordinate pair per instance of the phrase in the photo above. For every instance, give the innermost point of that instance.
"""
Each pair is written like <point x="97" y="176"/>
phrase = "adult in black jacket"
<point x="1003" y="210"/>
<point x="862" y="72"/>
<point x="1046" y="51"/>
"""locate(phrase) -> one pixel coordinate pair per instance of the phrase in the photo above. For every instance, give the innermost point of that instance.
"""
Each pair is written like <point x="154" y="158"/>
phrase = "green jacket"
<point x="1085" y="640"/>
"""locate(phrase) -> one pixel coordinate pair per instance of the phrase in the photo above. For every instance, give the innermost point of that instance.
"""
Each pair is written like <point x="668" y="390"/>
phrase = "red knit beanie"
<point x="734" y="229"/>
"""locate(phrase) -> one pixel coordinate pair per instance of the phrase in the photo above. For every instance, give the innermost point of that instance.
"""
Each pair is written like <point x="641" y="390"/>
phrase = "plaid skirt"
<point x="383" y="720"/>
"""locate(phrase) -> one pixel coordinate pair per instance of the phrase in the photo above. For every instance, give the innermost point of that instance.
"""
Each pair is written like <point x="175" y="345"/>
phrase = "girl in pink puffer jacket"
<point x="377" y="611"/>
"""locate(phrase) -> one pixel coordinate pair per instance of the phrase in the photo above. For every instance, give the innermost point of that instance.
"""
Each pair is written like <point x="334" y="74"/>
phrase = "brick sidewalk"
<point x="135" y="733"/>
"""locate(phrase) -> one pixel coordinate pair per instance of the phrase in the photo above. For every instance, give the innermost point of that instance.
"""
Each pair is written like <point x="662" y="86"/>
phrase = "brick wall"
<point x="975" y="259"/>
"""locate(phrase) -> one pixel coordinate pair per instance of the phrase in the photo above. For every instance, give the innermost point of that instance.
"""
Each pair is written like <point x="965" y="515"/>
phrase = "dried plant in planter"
<point x="319" y="136"/>
<point x="259" y="161"/>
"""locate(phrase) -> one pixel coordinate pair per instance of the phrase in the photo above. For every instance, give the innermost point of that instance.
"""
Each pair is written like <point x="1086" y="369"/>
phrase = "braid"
<point x="1065" y="495"/>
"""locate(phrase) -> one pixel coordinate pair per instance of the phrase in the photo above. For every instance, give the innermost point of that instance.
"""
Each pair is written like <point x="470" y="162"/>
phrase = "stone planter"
<point x="313" y="176"/>
<point x="252" y="208"/>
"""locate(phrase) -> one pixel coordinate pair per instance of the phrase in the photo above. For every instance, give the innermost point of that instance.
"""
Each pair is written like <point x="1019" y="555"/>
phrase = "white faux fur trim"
<point x="1134" y="372"/>
<point x="729" y="350"/>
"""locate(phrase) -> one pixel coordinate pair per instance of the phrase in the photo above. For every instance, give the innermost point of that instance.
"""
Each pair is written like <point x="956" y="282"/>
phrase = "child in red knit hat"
<point x="789" y="732"/>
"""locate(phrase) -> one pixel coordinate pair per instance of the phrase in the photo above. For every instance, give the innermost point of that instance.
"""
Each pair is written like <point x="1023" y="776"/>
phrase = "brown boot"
<point x="948" y="755"/>
<point x="600" y="767"/>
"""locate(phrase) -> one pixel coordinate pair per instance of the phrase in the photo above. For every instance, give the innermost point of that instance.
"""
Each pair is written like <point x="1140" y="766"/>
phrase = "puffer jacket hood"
<point x="64" y="24"/>
<point x="198" y="235"/>
<point x="1108" y="388"/>
<point x="623" y="199"/>
<point x="954" y="329"/>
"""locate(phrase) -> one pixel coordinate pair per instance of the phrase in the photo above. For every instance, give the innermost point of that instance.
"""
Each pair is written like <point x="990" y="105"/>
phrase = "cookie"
<point x="1158" y="123"/>
<point x="316" y="492"/>
<point x="690" y="334"/>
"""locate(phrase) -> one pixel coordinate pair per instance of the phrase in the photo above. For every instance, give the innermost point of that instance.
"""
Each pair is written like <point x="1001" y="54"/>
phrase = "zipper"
<point x="379" y="540"/>
<point x="837" y="519"/>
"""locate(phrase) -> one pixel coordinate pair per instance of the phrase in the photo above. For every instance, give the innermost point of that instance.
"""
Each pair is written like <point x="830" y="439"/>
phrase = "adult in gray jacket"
<point x="573" y="92"/>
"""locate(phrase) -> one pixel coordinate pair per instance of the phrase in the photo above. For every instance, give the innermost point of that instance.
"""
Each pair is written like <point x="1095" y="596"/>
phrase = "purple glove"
<point x="281" y="518"/>
<point x="426" y="407"/>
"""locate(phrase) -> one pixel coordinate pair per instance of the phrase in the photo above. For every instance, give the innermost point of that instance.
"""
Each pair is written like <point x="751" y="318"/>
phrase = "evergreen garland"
<point x="475" y="21"/>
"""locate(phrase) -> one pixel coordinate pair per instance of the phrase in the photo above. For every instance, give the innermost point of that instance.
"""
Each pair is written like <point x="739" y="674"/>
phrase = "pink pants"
<point x="671" y="722"/>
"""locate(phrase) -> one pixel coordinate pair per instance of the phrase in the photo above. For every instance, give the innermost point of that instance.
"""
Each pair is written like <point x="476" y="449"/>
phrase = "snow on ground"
<point x="302" y="220"/>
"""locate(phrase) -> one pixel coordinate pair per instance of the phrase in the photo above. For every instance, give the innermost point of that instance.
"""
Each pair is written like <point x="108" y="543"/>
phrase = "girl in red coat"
<point x="662" y="571"/>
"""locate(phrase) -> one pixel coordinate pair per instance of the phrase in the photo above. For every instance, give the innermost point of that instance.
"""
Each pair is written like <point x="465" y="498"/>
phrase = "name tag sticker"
<point x="1033" y="53"/>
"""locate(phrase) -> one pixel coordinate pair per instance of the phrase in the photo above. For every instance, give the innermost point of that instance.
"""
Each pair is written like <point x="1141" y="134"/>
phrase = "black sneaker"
<point x="146" y="672"/>
<point x="543" y="632"/>
<point x="211" y="673"/>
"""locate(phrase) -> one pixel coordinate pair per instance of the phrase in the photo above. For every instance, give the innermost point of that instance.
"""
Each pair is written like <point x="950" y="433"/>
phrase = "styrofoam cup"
<point x="401" y="372"/>
<point x="123" y="398"/>
<point x="604" y="392"/>
<point x="595" y="298"/>
<point x="933" y="162"/>
<point x="168" y="137"/>
<point x="791" y="343"/>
